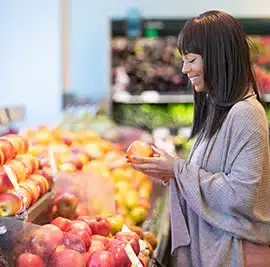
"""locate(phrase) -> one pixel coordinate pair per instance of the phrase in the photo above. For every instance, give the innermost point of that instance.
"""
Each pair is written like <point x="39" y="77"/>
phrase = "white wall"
<point x="30" y="70"/>
<point x="90" y="31"/>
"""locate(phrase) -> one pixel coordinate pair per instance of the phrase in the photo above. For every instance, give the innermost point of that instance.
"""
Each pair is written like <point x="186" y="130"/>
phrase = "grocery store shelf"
<point x="151" y="98"/>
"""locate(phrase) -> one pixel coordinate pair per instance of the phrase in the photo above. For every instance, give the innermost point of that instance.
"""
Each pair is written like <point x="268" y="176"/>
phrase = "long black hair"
<point x="227" y="61"/>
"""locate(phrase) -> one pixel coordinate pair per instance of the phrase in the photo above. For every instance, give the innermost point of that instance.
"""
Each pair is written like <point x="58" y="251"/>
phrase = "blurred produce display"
<point x="155" y="64"/>
<point x="79" y="119"/>
<point x="150" y="116"/>
<point x="262" y="67"/>
<point x="268" y="113"/>
<point x="91" y="175"/>
<point x="147" y="64"/>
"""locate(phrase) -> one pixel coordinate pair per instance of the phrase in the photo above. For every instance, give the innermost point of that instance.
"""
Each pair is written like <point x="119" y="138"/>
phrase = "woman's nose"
<point x="185" y="68"/>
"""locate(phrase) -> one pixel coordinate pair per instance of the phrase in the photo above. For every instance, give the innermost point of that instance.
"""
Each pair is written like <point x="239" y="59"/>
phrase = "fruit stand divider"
<point x="158" y="220"/>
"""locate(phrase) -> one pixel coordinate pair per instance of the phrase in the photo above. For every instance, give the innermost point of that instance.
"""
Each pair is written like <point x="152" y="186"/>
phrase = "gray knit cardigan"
<point x="221" y="194"/>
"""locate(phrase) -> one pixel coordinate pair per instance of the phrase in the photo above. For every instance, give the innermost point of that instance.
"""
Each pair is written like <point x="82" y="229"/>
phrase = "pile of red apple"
<point x="32" y="182"/>
<point x="84" y="242"/>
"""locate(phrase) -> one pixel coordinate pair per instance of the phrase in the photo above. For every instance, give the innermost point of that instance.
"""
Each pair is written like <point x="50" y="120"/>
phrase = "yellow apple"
<point x="116" y="223"/>
<point x="138" y="214"/>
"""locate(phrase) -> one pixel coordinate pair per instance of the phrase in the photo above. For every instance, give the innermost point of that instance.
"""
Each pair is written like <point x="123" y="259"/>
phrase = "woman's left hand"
<point x="160" y="166"/>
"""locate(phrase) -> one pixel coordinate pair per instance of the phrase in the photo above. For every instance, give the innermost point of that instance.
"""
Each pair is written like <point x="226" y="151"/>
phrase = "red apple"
<point x="75" y="161"/>
<point x="102" y="239"/>
<point x="79" y="225"/>
<point x="44" y="161"/>
<point x="66" y="205"/>
<point x="27" y="197"/>
<point x="101" y="259"/>
<point x="63" y="257"/>
<point x="18" y="169"/>
<point x="10" y="204"/>
<point x="140" y="149"/>
<point x="115" y="242"/>
<point x="82" y="210"/>
<point x="5" y="183"/>
<point x="61" y="223"/>
<point x="40" y="182"/>
<point x="48" y="174"/>
<point x="74" y="242"/>
<point x="8" y="149"/>
<point x="19" y="142"/>
<point x="120" y="256"/>
<point x="130" y="237"/>
<point x="86" y="256"/>
<point x="30" y="186"/>
<point x="96" y="246"/>
<point x="28" y="259"/>
<point x="2" y="158"/>
<point x="84" y="236"/>
<point x="30" y="162"/>
<point x="45" y="240"/>
<point x="98" y="224"/>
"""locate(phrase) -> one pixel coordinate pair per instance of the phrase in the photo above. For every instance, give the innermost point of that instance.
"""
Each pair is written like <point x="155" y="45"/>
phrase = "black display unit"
<point x="154" y="77"/>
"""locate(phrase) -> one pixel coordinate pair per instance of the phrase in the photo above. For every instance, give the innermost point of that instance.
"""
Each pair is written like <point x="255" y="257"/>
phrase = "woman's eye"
<point x="191" y="61"/>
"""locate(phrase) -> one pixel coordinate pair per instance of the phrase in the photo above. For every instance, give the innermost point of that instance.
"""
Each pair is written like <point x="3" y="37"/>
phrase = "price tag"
<point x="132" y="256"/>
<point x="142" y="245"/>
<point x="125" y="229"/>
<point x="13" y="180"/>
<point x="52" y="161"/>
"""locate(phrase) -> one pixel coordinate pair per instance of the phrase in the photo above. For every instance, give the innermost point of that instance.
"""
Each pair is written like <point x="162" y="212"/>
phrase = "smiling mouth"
<point x="195" y="78"/>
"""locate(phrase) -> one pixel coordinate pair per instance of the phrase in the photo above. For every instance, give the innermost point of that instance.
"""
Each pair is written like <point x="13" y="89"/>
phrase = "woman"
<point x="220" y="195"/>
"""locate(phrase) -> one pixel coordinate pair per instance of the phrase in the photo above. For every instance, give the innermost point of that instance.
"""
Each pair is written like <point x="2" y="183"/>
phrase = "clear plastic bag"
<point x="68" y="243"/>
<point x="83" y="193"/>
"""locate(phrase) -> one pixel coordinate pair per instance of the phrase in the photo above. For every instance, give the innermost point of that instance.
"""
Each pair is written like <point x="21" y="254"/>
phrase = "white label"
<point x="132" y="256"/>
<point x="52" y="161"/>
<point x="13" y="180"/>
<point x="125" y="229"/>
<point x="142" y="245"/>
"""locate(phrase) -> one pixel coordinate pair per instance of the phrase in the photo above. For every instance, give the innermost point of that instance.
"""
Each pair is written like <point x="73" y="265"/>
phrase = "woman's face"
<point x="193" y="68"/>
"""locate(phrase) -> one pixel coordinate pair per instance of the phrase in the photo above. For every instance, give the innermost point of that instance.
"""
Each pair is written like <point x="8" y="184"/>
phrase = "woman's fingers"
<point x="143" y="160"/>
<point x="158" y="150"/>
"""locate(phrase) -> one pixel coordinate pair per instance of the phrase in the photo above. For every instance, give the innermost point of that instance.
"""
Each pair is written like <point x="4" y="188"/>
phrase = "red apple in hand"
<point x="45" y="240"/>
<point x="74" y="242"/>
<point x="101" y="259"/>
<point x="28" y="259"/>
<point x="98" y="224"/>
<point x="84" y="236"/>
<point x="61" y="223"/>
<point x="63" y="257"/>
<point x="139" y="149"/>
<point x="102" y="239"/>
<point x="129" y="237"/>
<point x="79" y="225"/>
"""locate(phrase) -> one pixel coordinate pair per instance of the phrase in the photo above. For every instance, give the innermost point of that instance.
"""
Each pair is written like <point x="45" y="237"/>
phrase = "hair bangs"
<point x="189" y="39"/>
